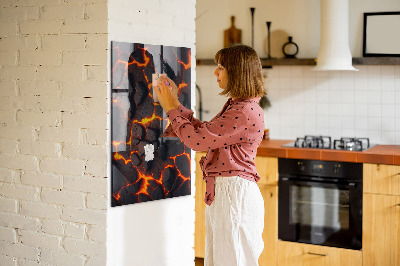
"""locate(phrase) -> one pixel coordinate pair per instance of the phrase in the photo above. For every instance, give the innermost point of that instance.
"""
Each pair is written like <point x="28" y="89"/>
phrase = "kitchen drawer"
<point x="298" y="254"/>
<point x="381" y="179"/>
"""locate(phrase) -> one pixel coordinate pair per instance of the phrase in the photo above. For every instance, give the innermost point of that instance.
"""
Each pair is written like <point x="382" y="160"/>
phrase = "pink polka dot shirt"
<point x="231" y="139"/>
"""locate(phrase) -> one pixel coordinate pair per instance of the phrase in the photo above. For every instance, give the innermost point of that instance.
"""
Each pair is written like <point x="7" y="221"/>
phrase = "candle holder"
<point x="269" y="38"/>
<point x="252" y="9"/>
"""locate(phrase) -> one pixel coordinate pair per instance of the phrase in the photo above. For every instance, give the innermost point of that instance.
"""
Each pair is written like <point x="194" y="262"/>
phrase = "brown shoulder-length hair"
<point x="245" y="78"/>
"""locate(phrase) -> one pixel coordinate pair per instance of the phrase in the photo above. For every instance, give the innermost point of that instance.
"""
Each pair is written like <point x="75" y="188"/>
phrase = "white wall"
<point x="157" y="232"/>
<point x="338" y="104"/>
<point x="298" y="18"/>
<point x="53" y="145"/>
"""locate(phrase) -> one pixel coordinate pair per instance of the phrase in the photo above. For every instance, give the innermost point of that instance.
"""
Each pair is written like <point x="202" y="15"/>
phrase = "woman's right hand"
<point x="174" y="90"/>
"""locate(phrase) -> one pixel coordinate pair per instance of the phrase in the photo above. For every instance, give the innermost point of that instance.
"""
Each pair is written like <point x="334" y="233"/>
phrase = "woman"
<point x="235" y="207"/>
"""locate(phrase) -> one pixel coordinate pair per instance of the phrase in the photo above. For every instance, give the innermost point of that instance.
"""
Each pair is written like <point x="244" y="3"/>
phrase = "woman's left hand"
<point x="163" y="90"/>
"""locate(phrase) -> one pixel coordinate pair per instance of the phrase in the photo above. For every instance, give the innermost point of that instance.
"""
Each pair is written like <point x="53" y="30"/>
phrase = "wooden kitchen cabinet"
<point x="200" y="207"/>
<point x="381" y="215"/>
<point x="270" y="233"/>
<point x="298" y="254"/>
<point x="381" y="230"/>
<point x="381" y="179"/>
<point x="267" y="168"/>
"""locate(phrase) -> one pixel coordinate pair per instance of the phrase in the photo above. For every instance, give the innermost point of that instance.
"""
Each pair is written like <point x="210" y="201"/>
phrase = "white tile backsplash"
<point x="387" y="72"/>
<point x="322" y="95"/>
<point x="361" y="110"/>
<point x="374" y="97"/>
<point x="387" y="124"/>
<point x="374" y="110"/>
<point x="348" y="95"/>
<point x="397" y="123"/>
<point x="364" y="103"/>
<point x="361" y="124"/>
<point x="388" y="111"/>
<point x="388" y="84"/>
<point x="374" y="83"/>
<point x="388" y="97"/>
<point x="347" y="110"/>
<point x="397" y="72"/>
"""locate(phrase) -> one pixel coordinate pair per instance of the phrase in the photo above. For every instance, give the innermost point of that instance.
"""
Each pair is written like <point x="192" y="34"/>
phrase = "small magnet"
<point x="148" y="152"/>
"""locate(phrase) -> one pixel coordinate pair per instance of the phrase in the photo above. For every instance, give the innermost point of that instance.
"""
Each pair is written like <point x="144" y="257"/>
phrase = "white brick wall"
<point x="8" y="234"/>
<point x="61" y="258"/>
<point x="53" y="122"/>
<point x="53" y="144"/>
<point x="75" y="230"/>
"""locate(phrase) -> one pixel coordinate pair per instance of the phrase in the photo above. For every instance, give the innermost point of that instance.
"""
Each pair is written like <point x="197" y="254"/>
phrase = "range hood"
<point x="334" y="51"/>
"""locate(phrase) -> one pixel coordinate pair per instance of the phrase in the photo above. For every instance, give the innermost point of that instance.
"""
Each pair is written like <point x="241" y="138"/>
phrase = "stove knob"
<point x="336" y="169"/>
<point x="301" y="166"/>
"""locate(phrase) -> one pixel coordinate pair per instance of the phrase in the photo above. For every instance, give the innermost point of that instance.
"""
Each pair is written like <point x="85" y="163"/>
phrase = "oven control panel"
<point x="330" y="169"/>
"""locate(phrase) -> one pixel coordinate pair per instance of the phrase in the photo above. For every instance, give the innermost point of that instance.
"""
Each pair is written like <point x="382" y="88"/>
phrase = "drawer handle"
<point x="318" y="254"/>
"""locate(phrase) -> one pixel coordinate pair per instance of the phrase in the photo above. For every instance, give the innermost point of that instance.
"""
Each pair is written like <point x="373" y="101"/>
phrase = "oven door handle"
<point x="329" y="184"/>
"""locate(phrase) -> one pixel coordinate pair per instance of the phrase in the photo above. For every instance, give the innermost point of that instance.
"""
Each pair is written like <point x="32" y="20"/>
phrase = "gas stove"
<point x="325" y="142"/>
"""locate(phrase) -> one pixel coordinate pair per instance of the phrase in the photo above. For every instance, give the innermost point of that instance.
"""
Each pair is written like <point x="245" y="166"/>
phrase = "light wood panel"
<point x="381" y="179"/>
<point x="270" y="233"/>
<point x="297" y="254"/>
<point x="381" y="230"/>
<point x="200" y="206"/>
<point x="267" y="168"/>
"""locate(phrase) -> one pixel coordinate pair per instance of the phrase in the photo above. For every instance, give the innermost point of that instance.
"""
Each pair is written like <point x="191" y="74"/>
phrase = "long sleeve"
<point x="231" y="138"/>
<point x="186" y="113"/>
<point x="225" y="130"/>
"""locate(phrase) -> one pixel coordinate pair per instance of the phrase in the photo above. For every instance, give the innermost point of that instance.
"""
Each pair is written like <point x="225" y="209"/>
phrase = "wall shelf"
<point x="376" y="61"/>
<point x="312" y="61"/>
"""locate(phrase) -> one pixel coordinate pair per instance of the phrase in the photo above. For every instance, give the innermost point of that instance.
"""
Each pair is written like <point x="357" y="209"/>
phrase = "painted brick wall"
<point x="53" y="119"/>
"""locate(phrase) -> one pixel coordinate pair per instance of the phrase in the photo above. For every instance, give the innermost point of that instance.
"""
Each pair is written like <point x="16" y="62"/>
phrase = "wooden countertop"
<point x="379" y="154"/>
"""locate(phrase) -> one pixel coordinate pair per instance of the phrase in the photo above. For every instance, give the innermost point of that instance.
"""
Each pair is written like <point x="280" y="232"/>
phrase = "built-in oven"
<point x="320" y="202"/>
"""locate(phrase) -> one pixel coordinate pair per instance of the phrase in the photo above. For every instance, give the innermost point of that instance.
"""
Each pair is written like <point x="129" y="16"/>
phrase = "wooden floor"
<point x="198" y="261"/>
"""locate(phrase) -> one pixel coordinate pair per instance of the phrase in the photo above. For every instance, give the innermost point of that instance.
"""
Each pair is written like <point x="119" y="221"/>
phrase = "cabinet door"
<point x="381" y="179"/>
<point x="297" y="254"/>
<point x="200" y="207"/>
<point x="267" y="168"/>
<point x="270" y="233"/>
<point x="381" y="230"/>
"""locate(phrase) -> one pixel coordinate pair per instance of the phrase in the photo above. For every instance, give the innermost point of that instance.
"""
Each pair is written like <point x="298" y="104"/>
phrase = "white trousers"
<point x="234" y="223"/>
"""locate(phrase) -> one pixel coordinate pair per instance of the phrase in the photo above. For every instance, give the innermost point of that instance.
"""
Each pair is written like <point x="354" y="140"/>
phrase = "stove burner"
<point x="322" y="142"/>
<point x="351" y="144"/>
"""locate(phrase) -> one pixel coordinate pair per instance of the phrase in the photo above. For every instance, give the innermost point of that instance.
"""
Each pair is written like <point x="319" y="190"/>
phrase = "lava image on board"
<point x="145" y="165"/>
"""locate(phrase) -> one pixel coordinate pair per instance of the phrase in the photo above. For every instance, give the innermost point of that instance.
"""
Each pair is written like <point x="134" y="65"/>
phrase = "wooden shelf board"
<point x="267" y="62"/>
